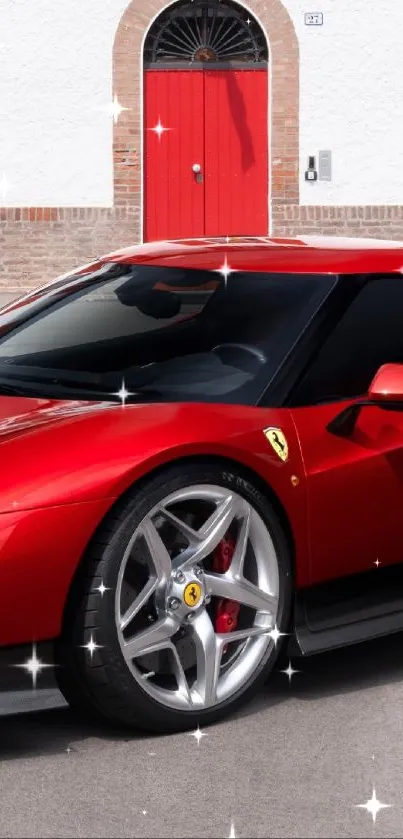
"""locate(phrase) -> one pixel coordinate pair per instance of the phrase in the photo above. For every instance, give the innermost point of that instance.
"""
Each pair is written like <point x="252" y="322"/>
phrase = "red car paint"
<point x="388" y="382"/>
<point x="354" y="490"/>
<point x="63" y="464"/>
<point x="306" y="255"/>
<point x="75" y="460"/>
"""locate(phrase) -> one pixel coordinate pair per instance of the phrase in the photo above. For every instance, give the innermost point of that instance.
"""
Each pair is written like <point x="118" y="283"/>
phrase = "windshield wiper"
<point x="105" y="383"/>
<point x="48" y="374"/>
<point x="12" y="390"/>
<point x="51" y="389"/>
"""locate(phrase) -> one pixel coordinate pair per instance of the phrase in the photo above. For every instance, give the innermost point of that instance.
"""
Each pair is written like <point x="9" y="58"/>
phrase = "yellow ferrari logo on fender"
<point x="277" y="441"/>
<point x="192" y="594"/>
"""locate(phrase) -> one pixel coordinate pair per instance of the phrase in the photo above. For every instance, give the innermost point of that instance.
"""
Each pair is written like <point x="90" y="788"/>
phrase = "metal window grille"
<point x="201" y="32"/>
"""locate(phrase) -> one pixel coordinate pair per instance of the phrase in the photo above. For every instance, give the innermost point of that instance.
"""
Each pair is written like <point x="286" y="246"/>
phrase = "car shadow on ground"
<point x="351" y="669"/>
<point x="53" y="731"/>
<point x="357" y="668"/>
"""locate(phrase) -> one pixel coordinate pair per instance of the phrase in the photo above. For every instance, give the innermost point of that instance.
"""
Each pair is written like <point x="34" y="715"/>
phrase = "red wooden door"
<point x="173" y="201"/>
<point x="217" y="119"/>
<point x="235" y="120"/>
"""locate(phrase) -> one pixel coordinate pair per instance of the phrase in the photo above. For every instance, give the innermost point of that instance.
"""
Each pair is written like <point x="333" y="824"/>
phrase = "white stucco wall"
<point x="56" y="76"/>
<point x="351" y="99"/>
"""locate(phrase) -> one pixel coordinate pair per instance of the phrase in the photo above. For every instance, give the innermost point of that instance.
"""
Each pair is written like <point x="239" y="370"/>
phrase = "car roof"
<point x="305" y="255"/>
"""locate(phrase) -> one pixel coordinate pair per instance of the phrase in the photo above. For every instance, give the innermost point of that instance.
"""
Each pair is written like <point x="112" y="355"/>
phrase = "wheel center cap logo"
<point x="192" y="594"/>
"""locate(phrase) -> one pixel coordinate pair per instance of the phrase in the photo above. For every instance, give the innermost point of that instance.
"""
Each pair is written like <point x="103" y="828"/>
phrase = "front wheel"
<point x="169" y="624"/>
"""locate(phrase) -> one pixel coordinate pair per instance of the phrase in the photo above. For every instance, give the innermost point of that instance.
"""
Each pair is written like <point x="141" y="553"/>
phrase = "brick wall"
<point x="37" y="244"/>
<point x="365" y="221"/>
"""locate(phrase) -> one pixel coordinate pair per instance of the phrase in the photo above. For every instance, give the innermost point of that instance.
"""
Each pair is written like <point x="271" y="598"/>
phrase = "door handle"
<point x="196" y="169"/>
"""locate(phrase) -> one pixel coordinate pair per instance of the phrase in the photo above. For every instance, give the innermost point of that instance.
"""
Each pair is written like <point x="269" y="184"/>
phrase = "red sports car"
<point x="201" y="447"/>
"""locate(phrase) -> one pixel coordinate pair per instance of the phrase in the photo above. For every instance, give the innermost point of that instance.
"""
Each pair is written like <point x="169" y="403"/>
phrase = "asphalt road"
<point x="294" y="763"/>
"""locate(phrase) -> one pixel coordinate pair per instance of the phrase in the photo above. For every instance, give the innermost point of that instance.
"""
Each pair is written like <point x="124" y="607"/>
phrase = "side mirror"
<point x="385" y="391"/>
<point x="387" y="384"/>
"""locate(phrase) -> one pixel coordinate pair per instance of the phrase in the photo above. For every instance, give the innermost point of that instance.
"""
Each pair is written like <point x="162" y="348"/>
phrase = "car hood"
<point x="21" y="414"/>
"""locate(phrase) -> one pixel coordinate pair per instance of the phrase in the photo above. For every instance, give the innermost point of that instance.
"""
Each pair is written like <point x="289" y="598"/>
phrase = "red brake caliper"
<point x="227" y="612"/>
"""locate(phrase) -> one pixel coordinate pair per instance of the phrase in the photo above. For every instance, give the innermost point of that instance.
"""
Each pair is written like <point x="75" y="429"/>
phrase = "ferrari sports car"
<point x="201" y="447"/>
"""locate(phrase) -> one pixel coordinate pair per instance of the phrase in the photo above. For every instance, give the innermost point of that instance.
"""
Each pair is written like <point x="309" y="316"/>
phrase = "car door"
<point x="354" y="483"/>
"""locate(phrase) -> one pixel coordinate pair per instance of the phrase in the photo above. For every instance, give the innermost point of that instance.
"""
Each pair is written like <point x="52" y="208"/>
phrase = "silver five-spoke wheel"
<point x="178" y="596"/>
<point x="168" y="595"/>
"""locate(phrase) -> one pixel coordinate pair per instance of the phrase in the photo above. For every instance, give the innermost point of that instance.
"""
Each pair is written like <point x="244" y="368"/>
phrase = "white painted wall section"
<point x="56" y="79"/>
<point x="351" y="99"/>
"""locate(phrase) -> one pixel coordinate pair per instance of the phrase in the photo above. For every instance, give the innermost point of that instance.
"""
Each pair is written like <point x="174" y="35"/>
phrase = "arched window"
<point x="202" y="32"/>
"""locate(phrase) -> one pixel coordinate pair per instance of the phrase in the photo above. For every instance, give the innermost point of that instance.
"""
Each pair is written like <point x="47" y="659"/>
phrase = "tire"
<point x="102" y="682"/>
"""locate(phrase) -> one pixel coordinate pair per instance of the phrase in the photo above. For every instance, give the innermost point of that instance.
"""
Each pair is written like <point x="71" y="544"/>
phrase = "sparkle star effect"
<point x="275" y="634"/>
<point x="377" y="563"/>
<point x="33" y="666"/>
<point x="115" y="109"/>
<point x="102" y="589"/>
<point x="289" y="671"/>
<point x="5" y="186"/>
<point x="91" y="646"/>
<point x="198" y="734"/>
<point x="225" y="270"/>
<point x="123" y="394"/>
<point x="159" y="128"/>
<point x="373" y="806"/>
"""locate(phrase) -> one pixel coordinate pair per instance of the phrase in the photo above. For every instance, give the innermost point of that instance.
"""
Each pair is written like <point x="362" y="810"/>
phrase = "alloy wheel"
<point x="168" y="593"/>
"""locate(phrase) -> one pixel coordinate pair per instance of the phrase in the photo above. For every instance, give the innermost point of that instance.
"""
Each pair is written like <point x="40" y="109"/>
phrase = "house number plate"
<point x="314" y="19"/>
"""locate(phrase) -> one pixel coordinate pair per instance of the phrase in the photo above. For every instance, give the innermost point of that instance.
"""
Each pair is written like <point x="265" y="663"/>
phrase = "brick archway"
<point x="284" y="100"/>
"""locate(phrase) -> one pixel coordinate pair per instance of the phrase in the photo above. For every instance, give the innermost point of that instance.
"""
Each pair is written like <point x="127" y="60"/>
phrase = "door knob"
<point x="196" y="168"/>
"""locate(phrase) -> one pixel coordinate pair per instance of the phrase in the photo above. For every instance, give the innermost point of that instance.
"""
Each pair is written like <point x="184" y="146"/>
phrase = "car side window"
<point x="369" y="334"/>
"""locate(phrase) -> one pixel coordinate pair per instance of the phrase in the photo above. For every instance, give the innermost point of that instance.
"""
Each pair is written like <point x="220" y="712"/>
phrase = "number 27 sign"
<point x="313" y="18"/>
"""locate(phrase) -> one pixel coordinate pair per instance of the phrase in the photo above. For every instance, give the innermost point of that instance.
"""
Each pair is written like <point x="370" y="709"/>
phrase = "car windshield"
<point x="165" y="333"/>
